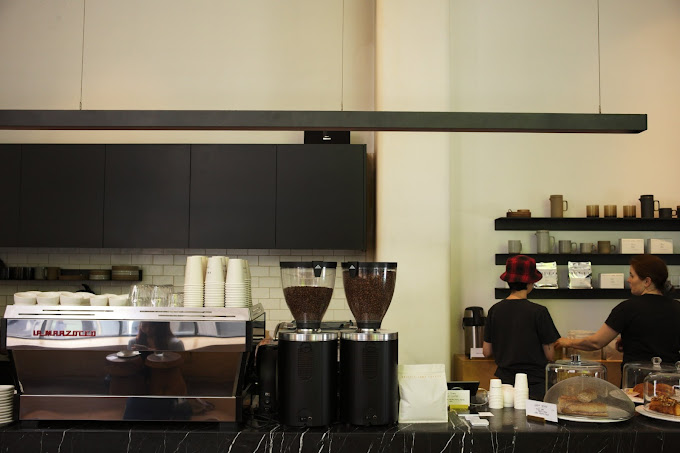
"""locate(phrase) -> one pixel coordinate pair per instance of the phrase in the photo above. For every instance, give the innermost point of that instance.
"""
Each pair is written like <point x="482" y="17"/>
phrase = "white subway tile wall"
<point x="166" y="266"/>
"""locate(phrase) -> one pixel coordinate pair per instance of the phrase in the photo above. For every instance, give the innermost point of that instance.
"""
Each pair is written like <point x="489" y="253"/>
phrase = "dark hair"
<point x="518" y="286"/>
<point x="653" y="267"/>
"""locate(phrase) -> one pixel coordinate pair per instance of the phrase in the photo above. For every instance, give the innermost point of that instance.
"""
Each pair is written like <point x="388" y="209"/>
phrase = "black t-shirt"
<point x="517" y="330"/>
<point x="649" y="326"/>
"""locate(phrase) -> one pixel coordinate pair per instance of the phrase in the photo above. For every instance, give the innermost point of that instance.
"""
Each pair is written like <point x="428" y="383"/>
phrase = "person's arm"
<point x="549" y="351"/>
<point x="595" y="341"/>
<point x="487" y="349"/>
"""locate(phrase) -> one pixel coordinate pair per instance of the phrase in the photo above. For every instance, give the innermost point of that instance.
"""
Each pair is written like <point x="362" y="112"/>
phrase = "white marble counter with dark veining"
<point x="508" y="431"/>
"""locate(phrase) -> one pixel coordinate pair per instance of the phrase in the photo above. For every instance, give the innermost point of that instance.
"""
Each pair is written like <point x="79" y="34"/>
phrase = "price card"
<point x="476" y="353"/>
<point x="539" y="409"/>
<point x="458" y="399"/>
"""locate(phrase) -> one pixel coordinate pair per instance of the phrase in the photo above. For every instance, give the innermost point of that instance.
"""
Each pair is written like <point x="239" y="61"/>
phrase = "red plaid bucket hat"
<point x="521" y="268"/>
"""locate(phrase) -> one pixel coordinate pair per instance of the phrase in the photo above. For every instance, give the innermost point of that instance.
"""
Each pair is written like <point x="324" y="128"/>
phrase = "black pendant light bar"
<point x="291" y="120"/>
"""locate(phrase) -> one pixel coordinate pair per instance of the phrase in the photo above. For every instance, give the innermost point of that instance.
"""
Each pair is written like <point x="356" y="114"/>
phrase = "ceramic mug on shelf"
<point x="544" y="242"/>
<point x="566" y="246"/>
<point x="610" y="210"/>
<point x="605" y="247"/>
<point x="629" y="211"/>
<point x="558" y="205"/>
<point x="587" y="247"/>
<point x="593" y="210"/>
<point x="514" y="246"/>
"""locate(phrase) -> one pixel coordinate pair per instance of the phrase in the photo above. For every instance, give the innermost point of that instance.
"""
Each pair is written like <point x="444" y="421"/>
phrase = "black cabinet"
<point x="321" y="197"/>
<point x="233" y="196"/>
<point x="62" y="195"/>
<point x="147" y="196"/>
<point x="10" y="188"/>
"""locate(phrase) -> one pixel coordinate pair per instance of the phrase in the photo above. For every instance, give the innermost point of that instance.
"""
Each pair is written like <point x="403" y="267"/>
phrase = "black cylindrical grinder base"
<point x="369" y="391"/>
<point x="307" y="379"/>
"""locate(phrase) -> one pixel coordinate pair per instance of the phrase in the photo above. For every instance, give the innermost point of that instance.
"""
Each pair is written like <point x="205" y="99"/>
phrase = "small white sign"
<point x="458" y="399"/>
<point x="543" y="410"/>
<point x="476" y="353"/>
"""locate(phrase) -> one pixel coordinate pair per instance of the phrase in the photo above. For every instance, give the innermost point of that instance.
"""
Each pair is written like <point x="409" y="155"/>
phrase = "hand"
<point x="619" y="344"/>
<point x="562" y="343"/>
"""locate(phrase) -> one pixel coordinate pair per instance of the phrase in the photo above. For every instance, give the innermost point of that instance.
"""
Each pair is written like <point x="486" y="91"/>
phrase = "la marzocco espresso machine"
<point x="307" y="357"/>
<point x="131" y="363"/>
<point x="369" y="391"/>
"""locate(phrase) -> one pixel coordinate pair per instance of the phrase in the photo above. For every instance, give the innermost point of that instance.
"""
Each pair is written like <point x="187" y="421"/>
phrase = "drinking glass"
<point x="140" y="295"/>
<point x="176" y="300"/>
<point x="160" y="295"/>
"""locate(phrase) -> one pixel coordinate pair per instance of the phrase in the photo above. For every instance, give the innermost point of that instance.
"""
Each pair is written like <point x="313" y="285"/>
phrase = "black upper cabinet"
<point x="233" y="196"/>
<point x="62" y="195"/>
<point x="321" y="197"/>
<point x="10" y="187"/>
<point x="147" y="196"/>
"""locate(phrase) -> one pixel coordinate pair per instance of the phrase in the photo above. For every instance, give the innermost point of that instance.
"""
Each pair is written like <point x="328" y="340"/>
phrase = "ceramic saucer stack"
<point x="237" y="289"/>
<point x="6" y="404"/>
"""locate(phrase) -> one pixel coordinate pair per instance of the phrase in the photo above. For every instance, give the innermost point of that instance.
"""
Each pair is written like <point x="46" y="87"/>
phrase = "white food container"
<point x="632" y="246"/>
<point x="611" y="281"/>
<point x="660" y="246"/>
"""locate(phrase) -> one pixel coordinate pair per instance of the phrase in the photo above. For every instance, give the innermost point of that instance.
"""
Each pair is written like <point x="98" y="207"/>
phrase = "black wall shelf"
<point x="594" y="123"/>
<point x="594" y="258"/>
<point x="565" y="293"/>
<point x="586" y="224"/>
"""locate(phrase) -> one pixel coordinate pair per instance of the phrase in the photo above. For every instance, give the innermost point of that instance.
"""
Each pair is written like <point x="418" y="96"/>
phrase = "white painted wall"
<point x="526" y="55"/>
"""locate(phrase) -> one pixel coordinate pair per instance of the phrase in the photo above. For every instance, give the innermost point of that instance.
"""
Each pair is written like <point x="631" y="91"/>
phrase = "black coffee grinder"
<point x="307" y="357"/>
<point x="369" y="392"/>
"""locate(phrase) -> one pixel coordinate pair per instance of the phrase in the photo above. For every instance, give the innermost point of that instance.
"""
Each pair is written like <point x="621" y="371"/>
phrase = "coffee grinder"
<point x="369" y="391"/>
<point x="307" y="357"/>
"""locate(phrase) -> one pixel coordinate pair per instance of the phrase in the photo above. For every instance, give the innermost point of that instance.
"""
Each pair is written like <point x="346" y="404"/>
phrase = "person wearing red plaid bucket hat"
<point x="520" y="334"/>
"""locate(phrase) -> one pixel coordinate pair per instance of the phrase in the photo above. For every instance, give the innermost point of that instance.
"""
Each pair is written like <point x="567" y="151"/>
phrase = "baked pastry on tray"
<point x="665" y="405"/>
<point x="583" y="403"/>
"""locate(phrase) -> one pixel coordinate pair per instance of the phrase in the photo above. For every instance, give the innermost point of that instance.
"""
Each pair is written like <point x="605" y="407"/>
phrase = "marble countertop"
<point x="508" y="431"/>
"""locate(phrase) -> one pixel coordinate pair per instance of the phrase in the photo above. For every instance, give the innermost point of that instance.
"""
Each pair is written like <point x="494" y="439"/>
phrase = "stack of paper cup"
<point x="194" y="279"/>
<point x="6" y="404"/>
<point x="237" y="289"/>
<point x="214" y="282"/>
<point x="521" y="391"/>
<point x="508" y="396"/>
<point x="495" y="394"/>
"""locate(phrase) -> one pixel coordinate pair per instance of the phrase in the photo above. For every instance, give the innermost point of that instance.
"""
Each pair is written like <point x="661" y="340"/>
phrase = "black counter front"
<point x="508" y="431"/>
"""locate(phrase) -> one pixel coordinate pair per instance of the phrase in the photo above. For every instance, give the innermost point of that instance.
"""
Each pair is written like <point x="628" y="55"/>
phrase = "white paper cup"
<point x="236" y="271"/>
<point x="194" y="273"/>
<point x="215" y="270"/>
<point x="99" y="300"/>
<point x="24" y="298"/>
<point x="521" y="381"/>
<point x="508" y="395"/>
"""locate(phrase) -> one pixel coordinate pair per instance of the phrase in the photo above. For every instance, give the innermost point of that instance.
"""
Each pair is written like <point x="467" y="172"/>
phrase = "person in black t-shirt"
<point x="519" y="334"/>
<point x="648" y="322"/>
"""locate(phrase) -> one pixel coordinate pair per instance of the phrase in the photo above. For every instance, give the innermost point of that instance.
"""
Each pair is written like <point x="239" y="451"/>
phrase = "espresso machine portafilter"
<point x="369" y="393"/>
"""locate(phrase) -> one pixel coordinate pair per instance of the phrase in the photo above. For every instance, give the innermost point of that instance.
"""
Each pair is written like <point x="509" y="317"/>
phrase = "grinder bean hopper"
<point x="307" y="357"/>
<point x="369" y="392"/>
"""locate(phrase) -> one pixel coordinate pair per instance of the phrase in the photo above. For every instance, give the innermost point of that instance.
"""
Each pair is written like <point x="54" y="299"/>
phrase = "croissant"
<point x="661" y="389"/>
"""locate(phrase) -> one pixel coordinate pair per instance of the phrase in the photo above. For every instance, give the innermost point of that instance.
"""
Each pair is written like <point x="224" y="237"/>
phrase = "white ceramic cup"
<point x="99" y="300"/>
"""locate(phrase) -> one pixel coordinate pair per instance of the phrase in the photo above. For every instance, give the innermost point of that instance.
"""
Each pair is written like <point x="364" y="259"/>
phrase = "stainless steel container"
<point x="473" y="327"/>
<point x="131" y="363"/>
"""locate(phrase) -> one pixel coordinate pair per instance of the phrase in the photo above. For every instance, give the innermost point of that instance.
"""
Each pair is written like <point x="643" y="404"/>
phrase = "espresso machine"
<point x="131" y="363"/>
<point x="307" y="356"/>
<point x="369" y="391"/>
